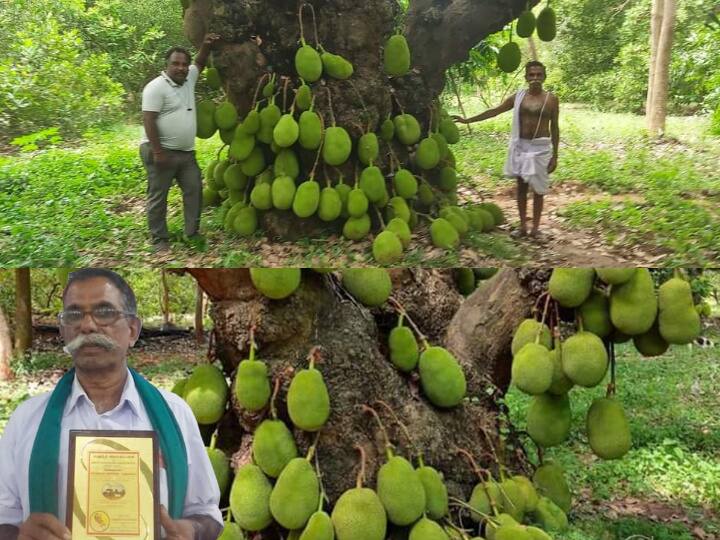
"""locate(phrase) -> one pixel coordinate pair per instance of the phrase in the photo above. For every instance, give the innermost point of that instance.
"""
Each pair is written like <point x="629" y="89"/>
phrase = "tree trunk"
<point x="199" y="302"/>
<point x="5" y="348"/>
<point x="165" y="300"/>
<point x="658" y="113"/>
<point x="353" y="345"/>
<point x="655" y="25"/>
<point x="23" y="311"/>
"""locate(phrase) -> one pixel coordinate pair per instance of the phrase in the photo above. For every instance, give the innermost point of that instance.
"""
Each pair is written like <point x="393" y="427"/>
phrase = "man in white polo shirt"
<point x="99" y="323"/>
<point x="167" y="148"/>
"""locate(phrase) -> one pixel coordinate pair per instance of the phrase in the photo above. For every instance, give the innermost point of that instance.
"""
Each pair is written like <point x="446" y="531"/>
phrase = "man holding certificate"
<point x="106" y="453"/>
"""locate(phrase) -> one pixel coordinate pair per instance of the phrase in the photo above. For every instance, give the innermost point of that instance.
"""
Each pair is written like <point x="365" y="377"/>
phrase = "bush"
<point x="715" y="122"/>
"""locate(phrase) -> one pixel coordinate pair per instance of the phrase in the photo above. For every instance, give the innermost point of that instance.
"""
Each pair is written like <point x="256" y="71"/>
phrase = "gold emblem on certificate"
<point x="113" y="485"/>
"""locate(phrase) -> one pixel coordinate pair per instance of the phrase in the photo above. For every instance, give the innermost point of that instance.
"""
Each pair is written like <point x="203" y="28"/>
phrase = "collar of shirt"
<point x="169" y="80"/>
<point x="129" y="396"/>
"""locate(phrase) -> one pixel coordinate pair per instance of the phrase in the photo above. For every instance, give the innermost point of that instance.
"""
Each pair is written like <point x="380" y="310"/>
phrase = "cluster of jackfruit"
<point x="612" y="305"/>
<point x="509" y="56"/>
<point x="469" y="279"/>
<point x="518" y="508"/>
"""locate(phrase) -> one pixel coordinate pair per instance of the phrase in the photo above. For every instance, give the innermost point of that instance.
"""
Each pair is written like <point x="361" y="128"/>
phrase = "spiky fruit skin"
<point x="571" y="286"/>
<point x="401" y="491"/>
<point x="546" y="24"/>
<point x="525" y="24"/>
<point x="179" y="388"/>
<point x="308" y="400"/>
<point x="250" y="498"/>
<point x="308" y="63"/>
<point x="441" y="377"/>
<point x="501" y="520"/>
<point x="283" y="192"/>
<point x="651" y="343"/>
<point x="295" y="495"/>
<point x="548" y="419"/>
<point x="276" y="283"/>
<point x="633" y="305"/>
<point x="273" y="447"/>
<point x="526" y="333"/>
<point x="480" y="500"/>
<point x="371" y="286"/>
<point x="550" y="482"/>
<point x="206" y="392"/>
<point x="512" y="532"/>
<point x="449" y="130"/>
<point x="407" y="129"/>
<point x="337" y="147"/>
<point x="427" y="529"/>
<point x="538" y="534"/>
<point x="531" y="496"/>
<point x="357" y="228"/>
<point x="512" y="499"/>
<point x="615" y="276"/>
<point x="403" y="348"/>
<point x="509" y="57"/>
<point x="252" y="385"/>
<point x="396" y="56"/>
<point x="608" y="429"/>
<point x="584" y="359"/>
<point x="550" y="515"/>
<point x="401" y="229"/>
<point x="595" y="314"/>
<point x="678" y="321"/>
<point x="443" y="234"/>
<point x="359" y="515"/>
<point x="465" y="280"/>
<point x="532" y="369"/>
<point x="560" y="384"/>
<point x="319" y="527"/>
<point x="436" y="494"/>
<point x="221" y="467"/>
<point x="387" y="248"/>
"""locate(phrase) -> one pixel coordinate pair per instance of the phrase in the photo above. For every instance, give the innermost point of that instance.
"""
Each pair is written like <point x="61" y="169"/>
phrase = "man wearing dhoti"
<point x="534" y="139"/>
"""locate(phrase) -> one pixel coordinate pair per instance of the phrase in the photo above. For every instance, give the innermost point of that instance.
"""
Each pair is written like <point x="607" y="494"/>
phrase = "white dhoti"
<point x="528" y="158"/>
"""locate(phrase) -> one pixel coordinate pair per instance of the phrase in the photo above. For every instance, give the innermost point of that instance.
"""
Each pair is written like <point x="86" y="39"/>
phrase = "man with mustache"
<point x="99" y="323"/>
<point x="534" y="140"/>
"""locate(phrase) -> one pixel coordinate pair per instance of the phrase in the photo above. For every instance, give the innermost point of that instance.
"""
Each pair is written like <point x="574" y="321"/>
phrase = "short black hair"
<point x="535" y="63"/>
<point x="84" y="274"/>
<point x="183" y="50"/>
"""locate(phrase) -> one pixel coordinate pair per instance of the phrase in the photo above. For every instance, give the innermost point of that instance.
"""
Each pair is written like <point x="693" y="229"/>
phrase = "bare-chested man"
<point x="533" y="151"/>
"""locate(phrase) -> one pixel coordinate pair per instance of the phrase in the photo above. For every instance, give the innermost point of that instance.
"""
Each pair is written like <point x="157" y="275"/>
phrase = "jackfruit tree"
<point x="329" y="116"/>
<point x="367" y="400"/>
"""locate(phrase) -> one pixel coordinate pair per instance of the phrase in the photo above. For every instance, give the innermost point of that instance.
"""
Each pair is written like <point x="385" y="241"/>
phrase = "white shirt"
<point x="203" y="493"/>
<point x="176" y="122"/>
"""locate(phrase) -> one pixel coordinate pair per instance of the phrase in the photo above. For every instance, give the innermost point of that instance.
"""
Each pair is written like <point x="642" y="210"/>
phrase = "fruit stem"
<point x="330" y="106"/>
<point x="457" y="529"/>
<point x="213" y="439"/>
<point x="273" y="410"/>
<point x="400" y="320"/>
<point x="476" y="469"/>
<point x="388" y="446"/>
<point x="217" y="156"/>
<point x="257" y="88"/>
<point x="397" y="101"/>
<point x="311" y="450"/>
<point x="285" y="87"/>
<point x="361" y="474"/>
<point x="314" y="355"/>
<point x="317" y="159"/>
<point x="323" y="494"/>
<point x="228" y="517"/>
<point x="430" y="120"/>
<point x="401" y="311"/>
<point x="547" y="303"/>
<point x="612" y="386"/>
<point x="379" y="215"/>
<point x="300" y="20"/>
<point x="317" y="39"/>
<point x="403" y="427"/>
<point x="463" y="504"/>
<point x="251" y="339"/>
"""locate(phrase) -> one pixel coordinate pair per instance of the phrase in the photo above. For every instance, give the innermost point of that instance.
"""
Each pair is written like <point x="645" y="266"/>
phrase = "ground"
<point x="617" y="197"/>
<point x="666" y="488"/>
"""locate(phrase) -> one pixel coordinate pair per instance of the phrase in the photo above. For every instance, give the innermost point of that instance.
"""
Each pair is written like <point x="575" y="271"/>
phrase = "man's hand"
<point x="161" y="159"/>
<point x="43" y="527"/>
<point x="552" y="165"/>
<point x="179" y="529"/>
<point x="459" y="119"/>
<point x="210" y="40"/>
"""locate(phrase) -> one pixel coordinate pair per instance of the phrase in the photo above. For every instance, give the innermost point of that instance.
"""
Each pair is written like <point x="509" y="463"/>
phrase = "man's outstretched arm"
<point x="554" y="135"/>
<point x="202" y="55"/>
<point x="505" y="106"/>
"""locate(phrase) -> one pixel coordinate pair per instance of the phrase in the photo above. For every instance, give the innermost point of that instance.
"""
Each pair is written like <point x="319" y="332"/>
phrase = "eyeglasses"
<point x="103" y="316"/>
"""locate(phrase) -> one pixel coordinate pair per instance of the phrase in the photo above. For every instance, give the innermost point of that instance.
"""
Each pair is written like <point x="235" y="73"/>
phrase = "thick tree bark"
<point x="23" y="311"/>
<point x="5" y="348"/>
<point x="655" y="24"/>
<point x="199" y="309"/>
<point x="353" y="345"/>
<point x="658" y="112"/>
<point x="165" y="298"/>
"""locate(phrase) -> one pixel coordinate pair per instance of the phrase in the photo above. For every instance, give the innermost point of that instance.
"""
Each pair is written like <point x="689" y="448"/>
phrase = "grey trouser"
<point x="183" y="167"/>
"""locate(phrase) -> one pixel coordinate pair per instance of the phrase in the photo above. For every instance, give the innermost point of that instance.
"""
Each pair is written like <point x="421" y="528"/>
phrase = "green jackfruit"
<point x="497" y="524"/>
<point x="336" y="66"/>
<point x="359" y="515"/>
<point x="465" y="280"/>
<point x="370" y="286"/>
<point x="397" y="208"/>
<point x="219" y="173"/>
<point x="226" y="115"/>
<point x="227" y="135"/>
<point x="231" y="531"/>
<point x="608" y="429"/>
<point x="443" y="234"/>
<point x="205" y="118"/>
<point x="528" y="489"/>
<point x="425" y="194"/>
<point x="251" y="124"/>
<point x="532" y="369"/>
<point x="405" y="183"/>
<point x="337" y="147"/>
<point x="456" y="218"/>
<point x="441" y="143"/>
<point x="357" y="203"/>
<point x="495" y="210"/>
<point x="550" y="482"/>
<point x="269" y="88"/>
<point x="584" y="359"/>
<point x="303" y="97"/>
<point x="401" y="491"/>
<point x="319" y="527"/>
<point x="308" y="63"/>
<point x="633" y="305"/>
<point x="571" y="286"/>
<point x="595" y="314"/>
<point x="368" y="148"/>
<point x="525" y="24"/>
<point x="448" y="179"/>
<point x="403" y="348"/>
<point x="560" y="384"/>
<point x="286" y="164"/>
<point x="261" y="197"/>
<point x="310" y="130"/>
<point x="428" y="153"/>
<point x="550" y="516"/>
<point x="286" y="131"/>
<point x="372" y="183"/>
<point x="480" y="220"/>
<point x="548" y="419"/>
<point x="330" y="204"/>
<point x="396" y="56"/>
<point x="546" y="24"/>
<point x="407" y="129"/>
<point x="245" y="223"/>
<point x="254" y="164"/>
<point x="179" y="388"/>
<point x="252" y="385"/>
<point x="387" y="248"/>
<point x="678" y="321"/>
<point x="308" y="400"/>
<point x="615" y="276"/>
<point x="221" y="467"/>
<point x="480" y="500"/>
<point x="527" y="332"/>
<point x="387" y="130"/>
<point x="212" y="77"/>
<point x="210" y="197"/>
<point x="357" y="228"/>
<point x="651" y="343"/>
<point x="234" y="178"/>
<point x="441" y="377"/>
<point x="436" y="494"/>
<point x="427" y="529"/>
<point x="269" y="117"/>
<point x="509" y="57"/>
<point x="512" y="532"/>
<point x="296" y="494"/>
<point x="250" y="498"/>
<point x="307" y="199"/>
<point x="512" y="498"/>
<point x="344" y="193"/>
<point x="450" y="131"/>
<point x="206" y="392"/>
<point x="276" y="283"/>
<point x="283" y="192"/>
<point x="273" y="447"/>
<point x="538" y="534"/>
<point x="401" y="229"/>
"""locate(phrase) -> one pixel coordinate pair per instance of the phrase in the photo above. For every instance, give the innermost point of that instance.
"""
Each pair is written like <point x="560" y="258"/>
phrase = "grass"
<point x="660" y="194"/>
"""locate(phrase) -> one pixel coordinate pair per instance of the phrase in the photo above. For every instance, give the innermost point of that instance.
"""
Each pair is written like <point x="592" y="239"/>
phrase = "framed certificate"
<point x="113" y="485"/>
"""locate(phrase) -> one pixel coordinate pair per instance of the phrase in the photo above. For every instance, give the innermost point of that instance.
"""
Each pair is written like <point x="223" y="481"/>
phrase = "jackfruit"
<point x="480" y="220"/>
<point x="205" y="119"/>
<point x="548" y="419"/>
<point x="407" y="129"/>
<point x="310" y="130"/>
<point x="571" y="286"/>
<point x="254" y="164"/>
<point x="250" y="498"/>
<point x="498" y="523"/>
<point x="550" y="516"/>
<point x="396" y="56"/>
<point x="450" y="131"/>
<point x="296" y="494"/>
<point x="401" y="491"/>
<point x="387" y="130"/>
<point x="525" y="24"/>
<point x="308" y="63"/>
<point x="532" y="369"/>
<point x="337" y="147"/>
<point x="427" y="529"/>
<point x="283" y="192"/>
<point x="307" y="199"/>
<point x="219" y="173"/>
<point x="512" y="499"/>
<point x="286" y="164"/>
<point x="403" y="348"/>
<point x="527" y="332"/>
<point x="615" y="276"/>
<point x="286" y="131"/>
<point x="357" y="228"/>
<point x="584" y="359"/>
<point x="245" y="223"/>
<point x="651" y="343"/>
<point x="231" y="531"/>
<point x="436" y="494"/>
<point x="387" y="248"/>
<point x="405" y="183"/>
<point x="528" y="489"/>
<point x="210" y="197"/>
<point x="261" y="197"/>
<point x="319" y="527"/>
<point x="276" y="283"/>
<point x="448" y="179"/>
<point x="234" y="178"/>
<point x="550" y="482"/>
<point x="227" y="135"/>
<point x="308" y="400"/>
<point x="678" y="321"/>
<point x="495" y="210"/>
<point x="252" y="385"/>
<point x="212" y="77"/>
<point x="359" y="515"/>
<point x="370" y="286"/>
<point x="206" y="392"/>
<point x="397" y="208"/>
<point x="441" y="377"/>
<point x="368" y="148"/>
<point x="269" y="88"/>
<point x="608" y="429"/>
<point x="512" y="532"/>
<point x="401" y="229"/>
<point x="221" y="467"/>
<point x="226" y="115"/>
<point x="441" y="143"/>
<point x="251" y="124"/>
<point x="509" y="57"/>
<point x="633" y="305"/>
<point x="425" y="193"/>
<point x="456" y="218"/>
<point x="179" y="388"/>
<point x="428" y="153"/>
<point x="357" y="203"/>
<point x="269" y="117"/>
<point x="595" y="314"/>
<point x="560" y="384"/>
<point x="330" y="204"/>
<point x="303" y="97"/>
<point x="465" y="280"/>
<point x="336" y="66"/>
<point x="538" y="534"/>
<point x="273" y="447"/>
<point x="343" y="191"/>
<point x="480" y="500"/>
<point x="372" y="183"/>
<point x="443" y="234"/>
<point x="546" y="24"/>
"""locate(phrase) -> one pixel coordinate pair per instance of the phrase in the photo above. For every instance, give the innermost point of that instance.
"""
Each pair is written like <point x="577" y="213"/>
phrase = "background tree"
<point x="662" y="25"/>
<point x="23" y="311"/>
<point x="5" y="348"/>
